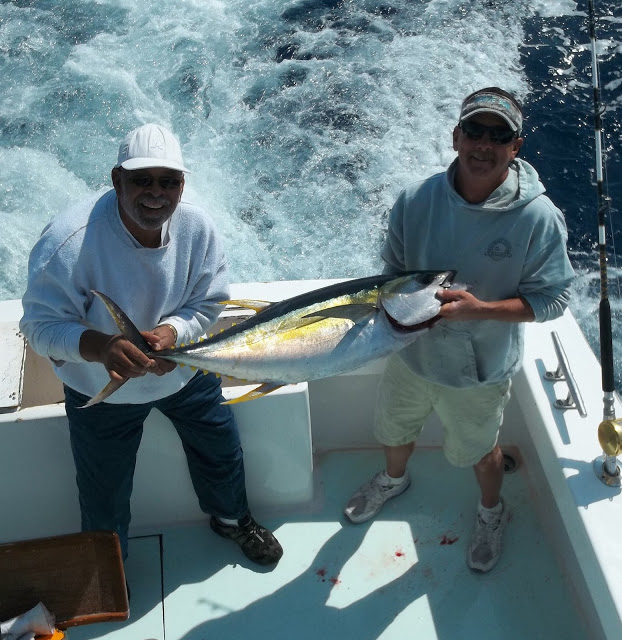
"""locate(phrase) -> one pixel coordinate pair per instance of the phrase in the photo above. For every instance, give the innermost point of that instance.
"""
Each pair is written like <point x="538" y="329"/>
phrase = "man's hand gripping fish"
<point x="318" y="334"/>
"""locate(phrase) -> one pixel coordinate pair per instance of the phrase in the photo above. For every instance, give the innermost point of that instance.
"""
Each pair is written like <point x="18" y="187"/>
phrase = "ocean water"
<point x="301" y="120"/>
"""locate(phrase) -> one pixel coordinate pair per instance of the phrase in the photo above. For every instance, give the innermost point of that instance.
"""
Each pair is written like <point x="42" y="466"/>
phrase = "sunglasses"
<point x="497" y="135"/>
<point x="165" y="182"/>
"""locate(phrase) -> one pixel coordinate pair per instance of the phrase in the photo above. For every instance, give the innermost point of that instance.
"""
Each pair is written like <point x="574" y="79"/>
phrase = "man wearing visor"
<point x="486" y="217"/>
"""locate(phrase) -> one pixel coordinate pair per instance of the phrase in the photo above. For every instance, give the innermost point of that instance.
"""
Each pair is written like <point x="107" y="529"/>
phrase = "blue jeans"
<point x="105" y="440"/>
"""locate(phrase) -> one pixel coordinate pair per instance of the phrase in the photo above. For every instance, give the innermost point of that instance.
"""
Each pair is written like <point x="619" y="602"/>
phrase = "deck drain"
<point x="510" y="465"/>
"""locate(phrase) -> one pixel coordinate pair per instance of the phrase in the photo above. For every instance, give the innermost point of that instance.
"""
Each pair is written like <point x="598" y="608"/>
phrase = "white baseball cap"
<point x="150" y="146"/>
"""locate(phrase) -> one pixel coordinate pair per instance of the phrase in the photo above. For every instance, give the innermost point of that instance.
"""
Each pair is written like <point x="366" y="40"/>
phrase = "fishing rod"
<point x="609" y="430"/>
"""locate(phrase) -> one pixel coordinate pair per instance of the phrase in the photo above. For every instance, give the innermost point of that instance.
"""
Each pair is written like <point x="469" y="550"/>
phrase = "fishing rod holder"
<point x="607" y="470"/>
<point x="574" y="400"/>
<point x="609" y="432"/>
<point x="610" y="439"/>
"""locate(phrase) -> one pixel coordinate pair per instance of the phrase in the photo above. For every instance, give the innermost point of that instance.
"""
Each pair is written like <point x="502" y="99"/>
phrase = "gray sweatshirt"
<point x="87" y="248"/>
<point x="513" y="244"/>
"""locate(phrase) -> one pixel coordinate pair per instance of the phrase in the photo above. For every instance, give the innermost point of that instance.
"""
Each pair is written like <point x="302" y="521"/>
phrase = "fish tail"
<point x="130" y="332"/>
<point x="108" y="390"/>
<point x="125" y="325"/>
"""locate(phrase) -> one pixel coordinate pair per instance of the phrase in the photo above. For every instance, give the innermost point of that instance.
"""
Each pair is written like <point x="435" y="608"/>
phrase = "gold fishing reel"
<point x="610" y="436"/>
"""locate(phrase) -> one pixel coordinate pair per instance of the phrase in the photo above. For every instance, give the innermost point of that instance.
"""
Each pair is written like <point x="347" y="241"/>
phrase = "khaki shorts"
<point x="471" y="416"/>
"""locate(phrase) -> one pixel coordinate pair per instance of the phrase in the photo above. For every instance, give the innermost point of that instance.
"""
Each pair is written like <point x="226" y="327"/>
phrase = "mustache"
<point x="483" y="156"/>
<point x="155" y="202"/>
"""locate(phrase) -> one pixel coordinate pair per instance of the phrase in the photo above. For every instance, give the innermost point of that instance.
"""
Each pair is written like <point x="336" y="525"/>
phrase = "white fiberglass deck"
<point x="401" y="576"/>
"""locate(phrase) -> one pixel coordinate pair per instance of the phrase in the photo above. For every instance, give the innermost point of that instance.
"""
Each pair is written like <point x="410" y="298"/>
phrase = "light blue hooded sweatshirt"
<point x="511" y="245"/>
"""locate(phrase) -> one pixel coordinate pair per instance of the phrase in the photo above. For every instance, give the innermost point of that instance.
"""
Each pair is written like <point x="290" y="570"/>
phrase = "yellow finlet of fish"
<point x="254" y="305"/>
<point x="258" y="392"/>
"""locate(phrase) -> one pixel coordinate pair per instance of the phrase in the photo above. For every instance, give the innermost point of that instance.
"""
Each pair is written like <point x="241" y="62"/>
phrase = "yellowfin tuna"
<point x="318" y="334"/>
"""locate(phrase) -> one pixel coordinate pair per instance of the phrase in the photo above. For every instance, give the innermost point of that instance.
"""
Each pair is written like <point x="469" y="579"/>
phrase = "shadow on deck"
<point x="402" y="575"/>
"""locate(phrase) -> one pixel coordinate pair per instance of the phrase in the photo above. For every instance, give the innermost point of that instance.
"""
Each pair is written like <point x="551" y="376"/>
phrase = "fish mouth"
<point x="426" y="324"/>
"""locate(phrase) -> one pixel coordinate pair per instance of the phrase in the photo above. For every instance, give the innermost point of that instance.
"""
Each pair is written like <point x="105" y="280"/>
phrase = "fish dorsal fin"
<point x="255" y="305"/>
<point x="258" y="392"/>
<point x="354" y="312"/>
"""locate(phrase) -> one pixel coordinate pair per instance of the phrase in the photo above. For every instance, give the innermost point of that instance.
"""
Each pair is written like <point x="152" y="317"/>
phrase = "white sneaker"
<point x="485" y="548"/>
<point x="368" y="500"/>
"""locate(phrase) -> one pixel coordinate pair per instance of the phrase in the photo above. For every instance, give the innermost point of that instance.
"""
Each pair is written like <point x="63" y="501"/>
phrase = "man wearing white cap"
<point x="486" y="217"/>
<point x="161" y="259"/>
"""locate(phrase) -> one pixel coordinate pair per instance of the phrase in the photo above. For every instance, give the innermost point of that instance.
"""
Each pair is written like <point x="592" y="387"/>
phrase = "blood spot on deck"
<point x="399" y="554"/>
<point x="322" y="574"/>
<point x="447" y="540"/>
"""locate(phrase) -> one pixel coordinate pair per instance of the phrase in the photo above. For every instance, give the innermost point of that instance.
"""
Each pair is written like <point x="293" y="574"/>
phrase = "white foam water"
<point x="300" y="121"/>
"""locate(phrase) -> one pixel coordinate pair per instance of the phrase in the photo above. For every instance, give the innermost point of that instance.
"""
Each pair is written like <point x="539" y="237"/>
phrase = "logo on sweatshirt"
<point x="499" y="250"/>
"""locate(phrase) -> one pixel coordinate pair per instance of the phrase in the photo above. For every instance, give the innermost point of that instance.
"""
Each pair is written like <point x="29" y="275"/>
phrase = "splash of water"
<point x="300" y="121"/>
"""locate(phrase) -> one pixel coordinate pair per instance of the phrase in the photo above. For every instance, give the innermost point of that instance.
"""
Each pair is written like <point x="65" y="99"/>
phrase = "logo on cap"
<point x="492" y="101"/>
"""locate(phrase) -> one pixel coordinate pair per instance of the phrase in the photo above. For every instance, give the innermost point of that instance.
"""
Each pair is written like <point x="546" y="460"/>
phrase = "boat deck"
<point x="402" y="575"/>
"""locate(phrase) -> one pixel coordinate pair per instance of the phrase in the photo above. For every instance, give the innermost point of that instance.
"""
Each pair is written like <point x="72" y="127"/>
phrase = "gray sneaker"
<point x="368" y="500"/>
<point x="485" y="548"/>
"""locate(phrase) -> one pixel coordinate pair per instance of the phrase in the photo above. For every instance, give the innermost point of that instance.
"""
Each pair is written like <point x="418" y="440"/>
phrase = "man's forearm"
<point x="510" y="310"/>
<point x="461" y="305"/>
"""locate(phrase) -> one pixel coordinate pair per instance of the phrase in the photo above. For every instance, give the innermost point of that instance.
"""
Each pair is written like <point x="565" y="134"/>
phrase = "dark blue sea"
<point x="302" y="119"/>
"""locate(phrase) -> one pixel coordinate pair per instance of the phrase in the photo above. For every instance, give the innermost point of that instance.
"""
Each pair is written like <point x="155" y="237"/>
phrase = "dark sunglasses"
<point x="164" y="181"/>
<point x="497" y="135"/>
